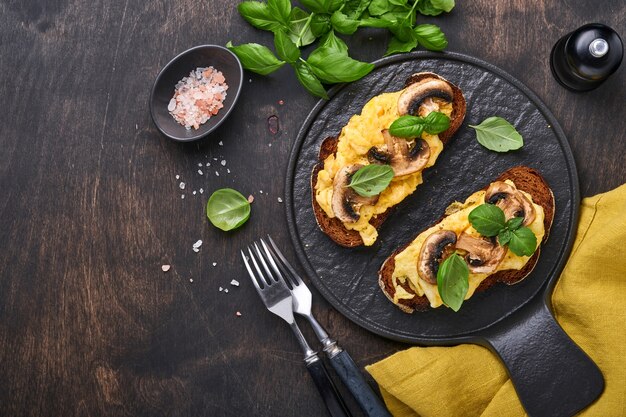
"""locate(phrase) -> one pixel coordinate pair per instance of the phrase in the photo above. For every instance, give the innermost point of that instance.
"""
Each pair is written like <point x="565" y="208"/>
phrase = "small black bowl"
<point x="163" y="89"/>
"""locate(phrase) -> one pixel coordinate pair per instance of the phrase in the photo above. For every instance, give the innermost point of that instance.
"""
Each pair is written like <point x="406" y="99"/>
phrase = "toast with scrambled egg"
<point x="405" y="277"/>
<point x="351" y="220"/>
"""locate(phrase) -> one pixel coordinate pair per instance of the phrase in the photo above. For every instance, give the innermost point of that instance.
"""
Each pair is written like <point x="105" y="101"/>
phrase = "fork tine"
<point x="252" y="276"/>
<point x="294" y="275"/>
<point x="272" y="278"/>
<point x="258" y="269"/>
<point x="276" y="266"/>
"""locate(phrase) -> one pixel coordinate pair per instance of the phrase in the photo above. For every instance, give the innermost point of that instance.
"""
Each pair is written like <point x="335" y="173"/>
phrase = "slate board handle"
<point x="553" y="377"/>
<point x="352" y="378"/>
<point x="334" y="404"/>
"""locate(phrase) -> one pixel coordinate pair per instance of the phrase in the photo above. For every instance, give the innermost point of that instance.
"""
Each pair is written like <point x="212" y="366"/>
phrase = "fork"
<point x="277" y="298"/>
<point x="340" y="359"/>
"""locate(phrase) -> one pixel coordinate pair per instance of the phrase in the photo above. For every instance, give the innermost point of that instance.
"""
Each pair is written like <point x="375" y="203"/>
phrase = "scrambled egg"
<point x="456" y="220"/>
<point x="357" y="137"/>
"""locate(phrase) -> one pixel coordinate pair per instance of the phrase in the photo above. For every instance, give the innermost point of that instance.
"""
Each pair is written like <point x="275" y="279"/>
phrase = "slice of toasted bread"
<point x="525" y="179"/>
<point x="333" y="227"/>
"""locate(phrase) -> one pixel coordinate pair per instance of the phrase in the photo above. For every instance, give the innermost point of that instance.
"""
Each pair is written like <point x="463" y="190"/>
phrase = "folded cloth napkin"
<point x="589" y="303"/>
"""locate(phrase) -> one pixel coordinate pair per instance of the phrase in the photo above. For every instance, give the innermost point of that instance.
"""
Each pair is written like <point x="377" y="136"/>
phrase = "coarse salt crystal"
<point x="201" y="190"/>
<point x="181" y="185"/>
<point x="214" y="263"/>
<point x="250" y="198"/>
<point x="197" y="244"/>
<point x="280" y="200"/>
<point x="200" y="164"/>
<point x="228" y="170"/>
<point x="177" y="177"/>
<point x="200" y="172"/>
<point x="165" y="268"/>
<point x="194" y="192"/>
<point x="261" y="191"/>
<point x="182" y="196"/>
<point x="217" y="174"/>
<point x="208" y="164"/>
<point x="220" y="143"/>
<point x="238" y="314"/>
<point x="223" y="163"/>
<point x="235" y="283"/>
<point x="221" y="289"/>
<point x="171" y="105"/>
<point x="190" y="279"/>
<point x="225" y="289"/>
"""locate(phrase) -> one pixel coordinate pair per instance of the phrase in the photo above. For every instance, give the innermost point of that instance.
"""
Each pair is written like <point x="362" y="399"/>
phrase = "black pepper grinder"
<point x="584" y="58"/>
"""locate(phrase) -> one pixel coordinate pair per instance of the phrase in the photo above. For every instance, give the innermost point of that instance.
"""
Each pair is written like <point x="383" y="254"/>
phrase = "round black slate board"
<point x="347" y="278"/>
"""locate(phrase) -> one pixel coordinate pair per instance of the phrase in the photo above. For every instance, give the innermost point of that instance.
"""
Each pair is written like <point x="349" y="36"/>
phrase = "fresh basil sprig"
<point x="453" y="281"/>
<point x="496" y="134"/>
<point x="371" y="180"/>
<point x="489" y="220"/>
<point x="227" y="209"/>
<point x="320" y="20"/>
<point x="413" y="126"/>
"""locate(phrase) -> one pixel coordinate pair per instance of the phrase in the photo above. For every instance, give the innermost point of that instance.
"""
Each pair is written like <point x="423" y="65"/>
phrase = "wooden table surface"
<point x="90" y="207"/>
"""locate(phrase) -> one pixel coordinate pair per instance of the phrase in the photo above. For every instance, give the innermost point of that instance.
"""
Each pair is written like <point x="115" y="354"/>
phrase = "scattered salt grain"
<point x="182" y="196"/>
<point x="280" y="200"/>
<point x="228" y="170"/>
<point x="221" y="289"/>
<point x="196" y="246"/>
<point x="234" y="283"/>
<point x="238" y="314"/>
<point x="217" y="174"/>
<point x="201" y="190"/>
<point x="215" y="159"/>
<point x="249" y="80"/>
<point x="214" y="263"/>
<point x="208" y="164"/>
<point x="177" y="177"/>
<point x="261" y="191"/>
<point x="190" y="279"/>
<point x="198" y="97"/>
<point x="220" y="143"/>
<point x="250" y="198"/>
<point x="181" y="185"/>
<point x="226" y="290"/>
<point x="200" y="164"/>
<point x="269" y="144"/>
<point x="200" y="172"/>
<point x="223" y="163"/>
<point x="165" y="268"/>
<point x="194" y="192"/>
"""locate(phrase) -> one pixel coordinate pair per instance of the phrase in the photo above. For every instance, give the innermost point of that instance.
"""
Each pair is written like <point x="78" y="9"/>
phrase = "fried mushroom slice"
<point x="345" y="201"/>
<point x="435" y="249"/>
<point x="483" y="254"/>
<point x="511" y="200"/>
<point x="422" y="93"/>
<point x="403" y="156"/>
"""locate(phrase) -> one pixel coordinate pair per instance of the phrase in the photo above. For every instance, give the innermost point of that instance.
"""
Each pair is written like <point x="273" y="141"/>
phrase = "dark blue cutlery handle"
<point x="352" y="378"/>
<point x="327" y="389"/>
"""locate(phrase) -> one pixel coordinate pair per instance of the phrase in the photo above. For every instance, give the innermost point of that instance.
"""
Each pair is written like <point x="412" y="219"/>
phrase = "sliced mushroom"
<point x="511" y="200"/>
<point x="404" y="157"/>
<point x="345" y="201"/>
<point x="415" y="95"/>
<point x="483" y="254"/>
<point x="435" y="249"/>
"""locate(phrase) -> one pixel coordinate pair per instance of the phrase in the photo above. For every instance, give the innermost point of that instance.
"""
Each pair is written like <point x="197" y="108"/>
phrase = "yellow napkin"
<point x="590" y="304"/>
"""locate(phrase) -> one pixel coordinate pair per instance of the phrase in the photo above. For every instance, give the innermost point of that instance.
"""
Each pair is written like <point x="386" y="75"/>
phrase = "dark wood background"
<point x="90" y="208"/>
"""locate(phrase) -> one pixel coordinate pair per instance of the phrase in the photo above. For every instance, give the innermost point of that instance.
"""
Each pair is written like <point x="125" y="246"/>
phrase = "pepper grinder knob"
<point x="586" y="57"/>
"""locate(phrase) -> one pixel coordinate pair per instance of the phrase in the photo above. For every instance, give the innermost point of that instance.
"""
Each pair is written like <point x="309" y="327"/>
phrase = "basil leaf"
<point x="403" y="31"/>
<point x="371" y="180"/>
<point x="227" y="209"/>
<point x="426" y="7"/>
<point x="496" y="134"/>
<point x="445" y="5"/>
<point x="281" y="9"/>
<point x="504" y="237"/>
<point x="413" y="126"/>
<point x="487" y="219"/>
<point x="379" y="7"/>
<point x="400" y="2"/>
<point x="330" y="40"/>
<point x="332" y="66"/>
<point x="316" y="6"/>
<point x="300" y="27"/>
<point x="523" y="242"/>
<point x="431" y="37"/>
<point x="375" y="22"/>
<point x="309" y="80"/>
<point x="320" y="24"/>
<point x="396" y="46"/>
<point x="333" y="5"/>
<point x="514" y="223"/>
<point x="256" y="58"/>
<point x="355" y="8"/>
<point x="453" y="281"/>
<point x="258" y="15"/>
<point x="285" y="48"/>
<point x="343" y="24"/>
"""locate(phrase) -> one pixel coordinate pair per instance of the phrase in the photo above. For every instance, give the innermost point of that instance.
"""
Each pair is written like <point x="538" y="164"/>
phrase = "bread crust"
<point x="333" y="227"/>
<point x="526" y="179"/>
